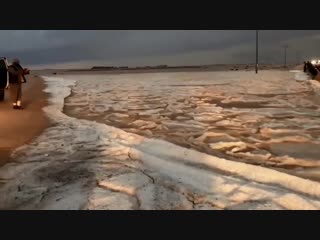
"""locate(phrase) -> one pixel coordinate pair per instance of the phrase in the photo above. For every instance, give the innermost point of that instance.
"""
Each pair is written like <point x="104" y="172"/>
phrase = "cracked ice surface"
<point x="269" y="119"/>
<point x="81" y="164"/>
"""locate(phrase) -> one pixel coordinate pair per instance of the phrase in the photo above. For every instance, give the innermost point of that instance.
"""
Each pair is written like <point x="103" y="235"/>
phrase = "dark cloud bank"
<point x="143" y="47"/>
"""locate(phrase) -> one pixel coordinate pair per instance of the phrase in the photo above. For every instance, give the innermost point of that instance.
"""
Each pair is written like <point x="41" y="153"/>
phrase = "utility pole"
<point x="285" y="55"/>
<point x="257" y="48"/>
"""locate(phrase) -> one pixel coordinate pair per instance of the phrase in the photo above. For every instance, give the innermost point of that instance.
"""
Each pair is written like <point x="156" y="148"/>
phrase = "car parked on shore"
<point x="312" y="68"/>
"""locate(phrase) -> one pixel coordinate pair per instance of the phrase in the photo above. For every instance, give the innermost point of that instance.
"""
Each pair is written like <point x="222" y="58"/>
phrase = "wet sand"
<point x="19" y="127"/>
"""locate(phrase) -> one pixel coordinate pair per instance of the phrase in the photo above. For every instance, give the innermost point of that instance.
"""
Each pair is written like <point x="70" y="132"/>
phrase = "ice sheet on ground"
<point x="81" y="164"/>
<point x="301" y="76"/>
<point x="179" y="108"/>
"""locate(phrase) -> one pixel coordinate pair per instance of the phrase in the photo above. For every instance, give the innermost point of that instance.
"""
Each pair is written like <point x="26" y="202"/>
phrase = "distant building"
<point x="102" y="68"/>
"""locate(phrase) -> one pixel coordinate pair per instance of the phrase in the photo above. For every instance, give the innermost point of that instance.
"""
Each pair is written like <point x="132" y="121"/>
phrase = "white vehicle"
<point x="315" y="62"/>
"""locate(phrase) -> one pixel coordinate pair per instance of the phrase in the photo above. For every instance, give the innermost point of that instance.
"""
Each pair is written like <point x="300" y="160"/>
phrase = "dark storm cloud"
<point x="50" y="55"/>
<point x="42" y="47"/>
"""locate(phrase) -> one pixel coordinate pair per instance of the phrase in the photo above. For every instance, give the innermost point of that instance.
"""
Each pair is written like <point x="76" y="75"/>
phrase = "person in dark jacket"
<point x="305" y="66"/>
<point x="4" y="77"/>
<point x="16" y="78"/>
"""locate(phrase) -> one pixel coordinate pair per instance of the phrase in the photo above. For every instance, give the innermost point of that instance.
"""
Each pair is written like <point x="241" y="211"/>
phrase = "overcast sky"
<point x="150" y="47"/>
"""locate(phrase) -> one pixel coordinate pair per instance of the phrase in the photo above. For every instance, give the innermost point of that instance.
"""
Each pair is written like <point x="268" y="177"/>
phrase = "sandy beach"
<point x="19" y="127"/>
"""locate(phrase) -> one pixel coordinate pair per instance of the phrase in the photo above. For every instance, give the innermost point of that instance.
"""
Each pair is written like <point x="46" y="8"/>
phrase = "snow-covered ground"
<point x="82" y="164"/>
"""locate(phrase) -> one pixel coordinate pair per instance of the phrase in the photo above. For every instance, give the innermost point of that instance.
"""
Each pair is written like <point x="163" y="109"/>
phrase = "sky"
<point x="84" y="48"/>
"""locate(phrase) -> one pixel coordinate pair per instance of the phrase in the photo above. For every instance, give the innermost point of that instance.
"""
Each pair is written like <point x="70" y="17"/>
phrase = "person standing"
<point x="16" y="78"/>
<point x="4" y="77"/>
<point x="305" y="66"/>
